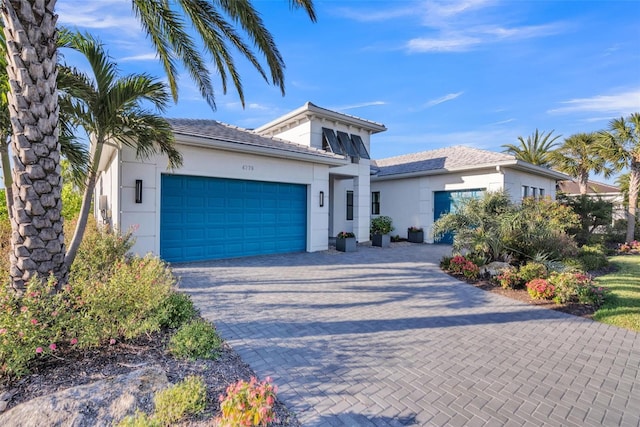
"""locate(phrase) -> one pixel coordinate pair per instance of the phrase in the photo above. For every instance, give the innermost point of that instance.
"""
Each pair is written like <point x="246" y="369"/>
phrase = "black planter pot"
<point x="346" y="245"/>
<point x="415" y="236"/>
<point x="381" y="240"/>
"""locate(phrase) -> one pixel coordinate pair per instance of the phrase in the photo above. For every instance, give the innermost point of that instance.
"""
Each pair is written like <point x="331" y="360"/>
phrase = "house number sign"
<point x="247" y="167"/>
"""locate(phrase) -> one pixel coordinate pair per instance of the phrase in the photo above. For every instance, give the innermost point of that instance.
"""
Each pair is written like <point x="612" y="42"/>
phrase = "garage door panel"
<point x="212" y="218"/>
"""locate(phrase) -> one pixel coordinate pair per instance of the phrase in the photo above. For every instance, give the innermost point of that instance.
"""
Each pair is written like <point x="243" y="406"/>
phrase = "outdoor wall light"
<point x="138" y="191"/>
<point x="321" y="198"/>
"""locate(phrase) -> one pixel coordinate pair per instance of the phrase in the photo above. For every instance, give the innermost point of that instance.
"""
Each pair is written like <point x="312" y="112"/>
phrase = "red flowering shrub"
<point x="540" y="289"/>
<point x="248" y="404"/>
<point x="460" y="265"/>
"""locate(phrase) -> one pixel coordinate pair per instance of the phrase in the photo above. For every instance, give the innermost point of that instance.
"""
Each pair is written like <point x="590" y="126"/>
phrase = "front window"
<point x="525" y="191"/>
<point x="349" y="205"/>
<point x="375" y="203"/>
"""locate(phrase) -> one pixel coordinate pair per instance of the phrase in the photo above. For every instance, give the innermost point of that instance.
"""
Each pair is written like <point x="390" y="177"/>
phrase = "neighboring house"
<point x="416" y="189"/>
<point x="289" y="186"/>
<point x="610" y="193"/>
<point x="239" y="192"/>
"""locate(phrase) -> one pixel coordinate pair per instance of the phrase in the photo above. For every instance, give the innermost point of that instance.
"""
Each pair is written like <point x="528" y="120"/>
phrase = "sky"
<point x="478" y="73"/>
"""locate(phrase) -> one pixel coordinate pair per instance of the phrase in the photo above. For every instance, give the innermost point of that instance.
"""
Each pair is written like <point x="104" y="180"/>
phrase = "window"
<point x="375" y="203"/>
<point x="349" y="205"/>
<point x="362" y="150"/>
<point x="534" y="192"/>
<point x="330" y="142"/>
<point x="542" y="193"/>
<point x="525" y="191"/>
<point x="347" y="144"/>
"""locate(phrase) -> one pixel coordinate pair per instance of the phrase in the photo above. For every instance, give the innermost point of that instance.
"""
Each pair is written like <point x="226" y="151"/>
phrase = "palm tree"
<point x="535" y="149"/>
<point x="620" y="145"/>
<point x="110" y="109"/>
<point x="578" y="156"/>
<point x="30" y="30"/>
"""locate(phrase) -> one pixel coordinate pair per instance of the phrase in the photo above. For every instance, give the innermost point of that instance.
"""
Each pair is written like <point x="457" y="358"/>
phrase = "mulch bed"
<point x="75" y="368"/>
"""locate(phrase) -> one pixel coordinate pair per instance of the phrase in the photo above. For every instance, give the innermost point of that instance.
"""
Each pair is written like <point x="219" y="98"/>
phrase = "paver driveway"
<point x="381" y="337"/>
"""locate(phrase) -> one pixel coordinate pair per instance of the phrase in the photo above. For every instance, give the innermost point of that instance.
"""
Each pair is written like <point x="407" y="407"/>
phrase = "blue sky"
<point x="436" y="73"/>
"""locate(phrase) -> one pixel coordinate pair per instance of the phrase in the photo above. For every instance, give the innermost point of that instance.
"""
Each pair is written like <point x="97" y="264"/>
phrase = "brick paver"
<point x="381" y="337"/>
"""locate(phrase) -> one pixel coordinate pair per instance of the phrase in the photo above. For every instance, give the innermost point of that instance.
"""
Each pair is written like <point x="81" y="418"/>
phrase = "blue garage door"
<point x="445" y="202"/>
<point x="212" y="218"/>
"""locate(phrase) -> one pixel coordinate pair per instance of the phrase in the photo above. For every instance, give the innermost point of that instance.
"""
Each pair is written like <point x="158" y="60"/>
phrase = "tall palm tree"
<point x="620" y="145"/>
<point x="578" y="156"/>
<point x="535" y="149"/>
<point x="110" y="109"/>
<point x="30" y="30"/>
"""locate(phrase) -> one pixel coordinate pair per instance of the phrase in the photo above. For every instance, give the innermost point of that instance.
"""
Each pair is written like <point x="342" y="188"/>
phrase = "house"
<point x="416" y="189"/>
<point x="240" y="192"/>
<point x="610" y="193"/>
<point x="289" y="185"/>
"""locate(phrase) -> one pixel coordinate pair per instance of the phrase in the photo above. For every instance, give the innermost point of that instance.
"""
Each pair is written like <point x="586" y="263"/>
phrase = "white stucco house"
<point x="287" y="186"/>
<point x="416" y="189"/>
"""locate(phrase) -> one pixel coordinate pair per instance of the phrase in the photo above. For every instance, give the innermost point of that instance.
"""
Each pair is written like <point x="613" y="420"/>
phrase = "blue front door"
<point x="205" y="218"/>
<point x="445" y="202"/>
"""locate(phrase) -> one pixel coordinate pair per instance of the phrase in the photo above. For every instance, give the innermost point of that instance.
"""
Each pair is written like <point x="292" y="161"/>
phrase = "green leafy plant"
<point x="540" y="289"/>
<point x="176" y="310"/>
<point x="532" y="270"/>
<point x="188" y="397"/>
<point x="195" y="340"/>
<point x="31" y="326"/>
<point x="248" y="404"/>
<point x="381" y="225"/>
<point x="124" y="305"/>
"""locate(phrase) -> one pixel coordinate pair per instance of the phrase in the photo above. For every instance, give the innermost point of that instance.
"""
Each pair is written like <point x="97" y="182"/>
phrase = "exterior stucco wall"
<point x="145" y="216"/>
<point x="514" y="180"/>
<point x="409" y="201"/>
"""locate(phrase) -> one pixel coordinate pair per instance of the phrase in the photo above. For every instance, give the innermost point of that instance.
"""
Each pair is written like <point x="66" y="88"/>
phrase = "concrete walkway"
<point x="381" y="337"/>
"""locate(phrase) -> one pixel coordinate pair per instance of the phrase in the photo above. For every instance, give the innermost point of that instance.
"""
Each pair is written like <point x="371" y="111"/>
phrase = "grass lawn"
<point x="623" y="307"/>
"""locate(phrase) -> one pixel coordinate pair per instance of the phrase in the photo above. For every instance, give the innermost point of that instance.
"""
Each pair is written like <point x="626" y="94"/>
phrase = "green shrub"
<point x="593" y="258"/>
<point x="124" y="305"/>
<point x="381" y="225"/>
<point x="445" y="263"/>
<point x="176" y="310"/>
<point x="532" y="270"/>
<point x="32" y="326"/>
<point x="248" y="404"/>
<point x="99" y="253"/>
<point x="187" y="397"/>
<point x="576" y="287"/>
<point x="195" y="340"/>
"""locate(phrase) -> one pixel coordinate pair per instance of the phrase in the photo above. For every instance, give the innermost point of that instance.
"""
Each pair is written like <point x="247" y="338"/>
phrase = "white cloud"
<point x="376" y="15"/>
<point x="94" y="14"/>
<point x="361" y="105"/>
<point x="455" y="43"/>
<point x="151" y="56"/>
<point x="620" y="103"/>
<point x="503" y="122"/>
<point x="447" y="97"/>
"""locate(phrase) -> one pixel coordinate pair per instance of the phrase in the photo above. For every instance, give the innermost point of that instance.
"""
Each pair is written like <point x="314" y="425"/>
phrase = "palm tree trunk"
<point x="86" y="206"/>
<point x="37" y="240"/>
<point x="583" y="182"/>
<point x="6" y="174"/>
<point x="634" y="188"/>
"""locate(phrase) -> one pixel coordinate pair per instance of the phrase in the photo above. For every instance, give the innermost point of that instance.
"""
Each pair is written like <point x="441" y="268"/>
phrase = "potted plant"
<point x="415" y="234"/>
<point x="346" y="241"/>
<point x="380" y="228"/>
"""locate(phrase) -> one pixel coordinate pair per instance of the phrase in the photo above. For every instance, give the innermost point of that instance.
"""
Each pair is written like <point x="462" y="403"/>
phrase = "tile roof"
<point x="593" y="187"/>
<point x="211" y="129"/>
<point x="456" y="157"/>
